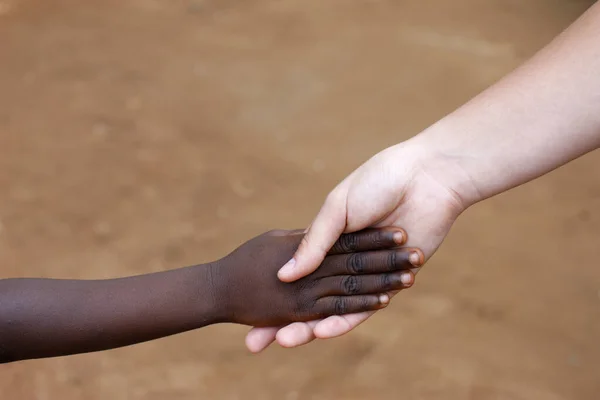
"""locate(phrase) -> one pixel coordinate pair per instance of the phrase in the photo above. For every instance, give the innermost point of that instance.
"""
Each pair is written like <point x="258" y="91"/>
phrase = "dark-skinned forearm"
<point x="47" y="317"/>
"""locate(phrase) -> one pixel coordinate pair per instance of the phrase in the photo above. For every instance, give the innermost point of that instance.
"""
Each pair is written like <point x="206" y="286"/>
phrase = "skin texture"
<point x="408" y="196"/>
<point x="536" y="119"/>
<point x="50" y="317"/>
<point x="348" y="282"/>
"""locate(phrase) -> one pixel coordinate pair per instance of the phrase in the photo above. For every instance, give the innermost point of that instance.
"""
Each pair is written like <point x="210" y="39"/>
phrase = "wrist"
<point x="211" y="290"/>
<point x="432" y="153"/>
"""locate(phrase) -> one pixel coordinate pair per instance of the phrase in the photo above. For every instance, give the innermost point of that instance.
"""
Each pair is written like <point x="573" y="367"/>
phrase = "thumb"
<point x="322" y="234"/>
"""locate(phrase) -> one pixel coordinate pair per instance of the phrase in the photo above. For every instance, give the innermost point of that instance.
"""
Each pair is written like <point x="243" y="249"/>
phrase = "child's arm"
<point x="46" y="317"/>
<point x="49" y="317"/>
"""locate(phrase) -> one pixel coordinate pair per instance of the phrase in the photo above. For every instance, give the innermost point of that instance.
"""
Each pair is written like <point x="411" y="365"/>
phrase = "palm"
<point x="420" y="205"/>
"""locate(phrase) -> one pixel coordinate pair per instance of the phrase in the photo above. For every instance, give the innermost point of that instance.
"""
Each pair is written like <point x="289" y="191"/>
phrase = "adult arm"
<point x="539" y="117"/>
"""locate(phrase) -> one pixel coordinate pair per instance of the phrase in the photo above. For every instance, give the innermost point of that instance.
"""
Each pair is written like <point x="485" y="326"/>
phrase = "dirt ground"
<point x="140" y="135"/>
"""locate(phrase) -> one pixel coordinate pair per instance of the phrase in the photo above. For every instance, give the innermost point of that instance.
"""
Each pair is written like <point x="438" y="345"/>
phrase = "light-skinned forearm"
<point x="541" y="116"/>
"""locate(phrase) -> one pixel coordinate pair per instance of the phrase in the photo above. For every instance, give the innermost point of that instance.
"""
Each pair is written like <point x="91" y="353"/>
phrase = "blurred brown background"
<point x="139" y="135"/>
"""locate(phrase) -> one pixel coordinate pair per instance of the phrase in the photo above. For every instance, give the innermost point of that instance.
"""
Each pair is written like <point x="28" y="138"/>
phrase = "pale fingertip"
<point x="286" y="272"/>
<point x="253" y="347"/>
<point x="332" y="327"/>
<point x="294" y="335"/>
<point x="259" y="339"/>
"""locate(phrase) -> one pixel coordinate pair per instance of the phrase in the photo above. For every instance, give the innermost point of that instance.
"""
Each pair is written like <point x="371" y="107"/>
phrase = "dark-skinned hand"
<point x="354" y="277"/>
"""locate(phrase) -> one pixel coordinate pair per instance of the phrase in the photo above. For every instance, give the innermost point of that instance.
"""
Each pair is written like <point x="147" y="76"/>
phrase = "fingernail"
<point x="406" y="279"/>
<point x="288" y="267"/>
<point x="384" y="299"/>
<point x="415" y="259"/>
<point x="398" y="237"/>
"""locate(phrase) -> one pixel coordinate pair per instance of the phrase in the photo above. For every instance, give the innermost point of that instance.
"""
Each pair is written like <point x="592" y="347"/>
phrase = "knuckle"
<point x="350" y="285"/>
<point x="340" y="306"/>
<point x="393" y="260"/>
<point x="305" y="287"/>
<point x="304" y="305"/>
<point x="356" y="264"/>
<point x="386" y="282"/>
<point x="348" y="243"/>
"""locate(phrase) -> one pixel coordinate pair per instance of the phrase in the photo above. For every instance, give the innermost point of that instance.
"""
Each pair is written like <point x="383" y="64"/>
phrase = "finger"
<point x="339" y="325"/>
<point x="322" y="234"/>
<point x="259" y="339"/>
<point x="352" y="285"/>
<point x="372" y="262"/>
<point x="341" y="305"/>
<point x="297" y="334"/>
<point x="369" y="239"/>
